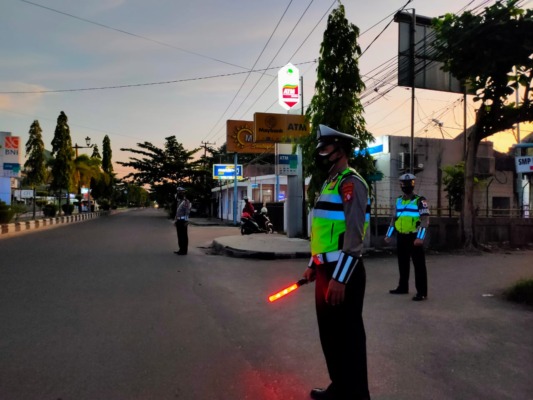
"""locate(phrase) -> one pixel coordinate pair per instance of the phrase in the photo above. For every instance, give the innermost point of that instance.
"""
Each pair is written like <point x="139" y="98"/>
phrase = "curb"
<point x="35" y="224"/>
<point x="261" y="255"/>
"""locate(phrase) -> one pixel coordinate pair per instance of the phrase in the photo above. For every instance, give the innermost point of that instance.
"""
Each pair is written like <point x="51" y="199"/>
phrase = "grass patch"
<point x="521" y="292"/>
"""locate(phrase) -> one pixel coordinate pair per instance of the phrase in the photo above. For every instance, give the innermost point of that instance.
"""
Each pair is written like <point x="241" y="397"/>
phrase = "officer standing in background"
<point x="182" y="221"/>
<point x="339" y="220"/>
<point x="410" y="220"/>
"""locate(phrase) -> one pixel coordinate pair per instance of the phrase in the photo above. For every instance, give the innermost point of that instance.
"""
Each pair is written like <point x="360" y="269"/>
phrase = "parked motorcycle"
<point x="258" y="223"/>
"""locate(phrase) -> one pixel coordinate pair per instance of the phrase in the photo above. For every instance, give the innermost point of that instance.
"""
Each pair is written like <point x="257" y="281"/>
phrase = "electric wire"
<point x="255" y="63"/>
<point x="131" y="34"/>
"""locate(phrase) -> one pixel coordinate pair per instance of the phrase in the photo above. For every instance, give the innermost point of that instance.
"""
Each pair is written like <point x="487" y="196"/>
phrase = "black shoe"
<point x="320" y="394"/>
<point x="398" y="291"/>
<point x="419" y="297"/>
<point x="180" y="253"/>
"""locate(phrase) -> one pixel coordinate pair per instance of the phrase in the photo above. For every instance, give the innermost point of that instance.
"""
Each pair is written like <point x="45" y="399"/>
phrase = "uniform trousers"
<point x="406" y="250"/>
<point x="183" y="236"/>
<point x="342" y="334"/>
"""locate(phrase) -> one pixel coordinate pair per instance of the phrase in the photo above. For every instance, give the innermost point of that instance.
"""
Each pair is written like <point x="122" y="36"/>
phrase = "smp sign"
<point x="524" y="164"/>
<point x="226" y="171"/>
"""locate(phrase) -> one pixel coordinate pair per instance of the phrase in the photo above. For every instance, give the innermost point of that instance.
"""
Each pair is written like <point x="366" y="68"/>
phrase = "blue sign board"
<point x="226" y="171"/>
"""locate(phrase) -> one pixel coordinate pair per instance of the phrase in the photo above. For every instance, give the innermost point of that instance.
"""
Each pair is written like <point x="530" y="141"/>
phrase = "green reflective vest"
<point x="407" y="215"/>
<point x="328" y="222"/>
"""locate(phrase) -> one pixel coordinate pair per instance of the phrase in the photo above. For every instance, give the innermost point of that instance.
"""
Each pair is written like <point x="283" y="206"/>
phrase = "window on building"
<point x="501" y="206"/>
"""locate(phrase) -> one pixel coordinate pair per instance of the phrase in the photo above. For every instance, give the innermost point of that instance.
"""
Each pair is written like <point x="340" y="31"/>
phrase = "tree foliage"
<point x="336" y="102"/>
<point x="96" y="152"/>
<point x="63" y="165"/>
<point x="493" y="54"/>
<point x="107" y="164"/>
<point x="35" y="165"/>
<point x="161" y="169"/>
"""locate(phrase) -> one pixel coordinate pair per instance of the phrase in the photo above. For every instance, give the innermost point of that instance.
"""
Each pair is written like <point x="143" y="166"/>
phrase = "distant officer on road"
<point x="339" y="220"/>
<point x="410" y="220"/>
<point x="182" y="221"/>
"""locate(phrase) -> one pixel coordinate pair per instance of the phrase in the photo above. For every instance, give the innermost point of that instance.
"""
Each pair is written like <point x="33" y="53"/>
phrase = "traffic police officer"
<point x="339" y="220"/>
<point x="410" y="220"/>
<point x="182" y="221"/>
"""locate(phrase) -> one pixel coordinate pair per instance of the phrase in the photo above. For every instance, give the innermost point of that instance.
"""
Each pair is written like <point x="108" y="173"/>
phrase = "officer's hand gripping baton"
<point x="287" y="290"/>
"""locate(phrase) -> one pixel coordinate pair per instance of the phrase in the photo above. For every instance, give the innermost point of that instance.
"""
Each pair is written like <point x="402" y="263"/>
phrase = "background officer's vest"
<point x="407" y="215"/>
<point x="328" y="223"/>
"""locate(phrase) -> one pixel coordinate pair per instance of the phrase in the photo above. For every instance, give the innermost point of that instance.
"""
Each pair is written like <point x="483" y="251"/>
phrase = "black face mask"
<point x="407" y="189"/>
<point x="324" y="161"/>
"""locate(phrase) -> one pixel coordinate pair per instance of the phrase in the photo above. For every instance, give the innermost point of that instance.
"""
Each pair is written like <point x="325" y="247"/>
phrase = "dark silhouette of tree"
<point x="336" y="102"/>
<point x="35" y="165"/>
<point x="493" y="54"/>
<point x="63" y="164"/>
<point x="161" y="169"/>
<point x="96" y="152"/>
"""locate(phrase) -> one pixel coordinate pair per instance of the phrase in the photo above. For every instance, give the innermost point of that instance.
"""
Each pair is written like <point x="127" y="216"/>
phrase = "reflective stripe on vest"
<point x="407" y="215"/>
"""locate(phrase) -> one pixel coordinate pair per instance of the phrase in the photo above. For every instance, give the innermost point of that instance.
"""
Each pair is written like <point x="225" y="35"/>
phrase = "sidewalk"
<point x="258" y="245"/>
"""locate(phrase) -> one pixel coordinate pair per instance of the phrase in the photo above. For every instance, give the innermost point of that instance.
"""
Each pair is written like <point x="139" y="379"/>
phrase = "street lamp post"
<point x="76" y="147"/>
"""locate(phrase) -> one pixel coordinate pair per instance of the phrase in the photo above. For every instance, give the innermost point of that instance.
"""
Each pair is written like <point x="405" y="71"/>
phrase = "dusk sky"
<point x="140" y="70"/>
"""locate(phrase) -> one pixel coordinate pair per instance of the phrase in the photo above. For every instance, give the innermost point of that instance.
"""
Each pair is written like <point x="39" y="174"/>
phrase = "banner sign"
<point x="288" y="86"/>
<point x="240" y="138"/>
<point x="226" y="171"/>
<point x="279" y="128"/>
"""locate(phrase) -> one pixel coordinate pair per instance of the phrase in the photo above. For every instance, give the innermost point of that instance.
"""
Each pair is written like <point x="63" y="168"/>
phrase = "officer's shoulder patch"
<point x="347" y="191"/>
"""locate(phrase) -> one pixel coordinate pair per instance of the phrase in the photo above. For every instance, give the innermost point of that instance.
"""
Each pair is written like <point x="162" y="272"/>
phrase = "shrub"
<point x="104" y="204"/>
<point x="521" y="292"/>
<point x="50" y="210"/>
<point x="67" y="208"/>
<point x="6" y="213"/>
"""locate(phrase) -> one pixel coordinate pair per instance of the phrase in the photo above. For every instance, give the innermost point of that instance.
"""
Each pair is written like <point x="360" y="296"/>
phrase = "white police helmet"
<point x="326" y="135"/>
<point x="407" y="180"/>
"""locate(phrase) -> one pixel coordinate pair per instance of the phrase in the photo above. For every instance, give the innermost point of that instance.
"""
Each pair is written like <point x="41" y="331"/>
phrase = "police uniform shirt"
<point x="183" y="210"/>
<point x="354" y="200"/>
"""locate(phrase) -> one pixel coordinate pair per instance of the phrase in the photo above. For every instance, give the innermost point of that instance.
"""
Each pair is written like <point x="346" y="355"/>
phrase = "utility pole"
<point x="206" y="202"/>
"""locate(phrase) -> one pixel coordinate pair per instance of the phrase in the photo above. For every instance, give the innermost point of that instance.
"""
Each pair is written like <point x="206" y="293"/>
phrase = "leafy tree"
<point x="336" y="102"/>
<point x="107" y="165"/>
<point x="35" y="166"/>
<point x="63" y="165"/>
<point x="96" y="152"/>
<point x="106" y="184"/>
<point x="161" y="169"/>
<point x="87" y="169"/>
<point x="493" y="54"/>
<point x="454" y="184"/>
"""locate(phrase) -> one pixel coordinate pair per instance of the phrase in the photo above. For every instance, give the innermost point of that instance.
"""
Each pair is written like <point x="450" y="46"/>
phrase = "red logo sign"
<point x="290" y="95"/>
<point x="12" y="142"/>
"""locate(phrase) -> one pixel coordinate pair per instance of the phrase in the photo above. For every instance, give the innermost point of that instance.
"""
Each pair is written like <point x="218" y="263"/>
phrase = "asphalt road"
<point x="103" y="309"/>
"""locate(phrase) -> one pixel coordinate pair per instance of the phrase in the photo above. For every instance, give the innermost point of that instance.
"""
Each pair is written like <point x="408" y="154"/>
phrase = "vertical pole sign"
<point x="288" y="86"/>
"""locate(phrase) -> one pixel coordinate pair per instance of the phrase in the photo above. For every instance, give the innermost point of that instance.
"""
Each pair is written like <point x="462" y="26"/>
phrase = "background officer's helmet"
<point x="407" y="180"/>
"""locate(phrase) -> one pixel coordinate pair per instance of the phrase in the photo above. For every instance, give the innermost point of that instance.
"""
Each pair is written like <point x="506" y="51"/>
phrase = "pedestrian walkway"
<point x="263" y="246"/>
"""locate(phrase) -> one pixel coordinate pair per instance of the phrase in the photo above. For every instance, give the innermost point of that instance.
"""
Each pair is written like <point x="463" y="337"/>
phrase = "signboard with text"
<point x="524" y="164"/>
<point x="288" y="86"/>
<point x="226" y="171"/>
<point x="9" y="155"/>
<point x="240" y="138"/>
<point x="279" y="128"/>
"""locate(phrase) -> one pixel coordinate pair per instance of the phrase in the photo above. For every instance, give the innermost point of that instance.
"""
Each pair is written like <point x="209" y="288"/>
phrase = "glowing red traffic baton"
<point x="287" y="290"/>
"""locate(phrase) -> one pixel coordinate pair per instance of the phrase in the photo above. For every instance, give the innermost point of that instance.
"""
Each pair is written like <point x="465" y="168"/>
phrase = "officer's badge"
<point x="347" y="192"/>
